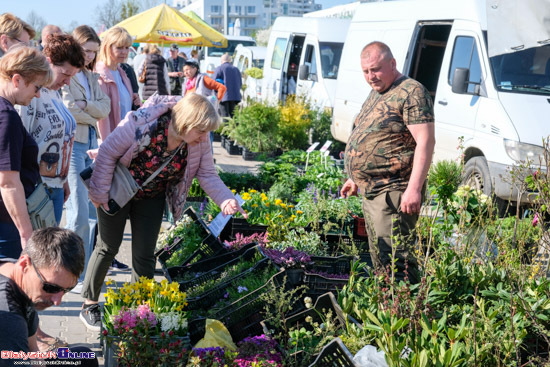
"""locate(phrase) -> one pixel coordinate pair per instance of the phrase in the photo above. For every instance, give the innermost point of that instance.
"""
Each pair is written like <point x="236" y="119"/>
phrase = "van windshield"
<point x="231" y="46"/>
<point x="330" y="58"/>
<point x="526" y="71"/>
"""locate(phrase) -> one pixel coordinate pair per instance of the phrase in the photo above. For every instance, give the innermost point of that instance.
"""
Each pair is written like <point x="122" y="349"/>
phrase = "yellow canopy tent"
<point x="164" y="24"/>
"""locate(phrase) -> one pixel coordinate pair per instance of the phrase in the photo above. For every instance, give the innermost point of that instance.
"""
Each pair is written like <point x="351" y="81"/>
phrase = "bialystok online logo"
<point x="62" y="353"/>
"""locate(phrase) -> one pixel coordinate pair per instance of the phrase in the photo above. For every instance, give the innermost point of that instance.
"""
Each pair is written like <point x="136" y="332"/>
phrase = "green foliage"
<point x="255" y="73"/>
<point x="294" y="123"/>
<point x="256" y="127"/>
<point x="444" y="178"/>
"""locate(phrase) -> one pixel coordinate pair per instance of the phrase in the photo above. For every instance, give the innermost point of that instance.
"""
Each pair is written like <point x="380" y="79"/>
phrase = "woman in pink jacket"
<point x="142" y="142"/>
<point x="113" y="80"/>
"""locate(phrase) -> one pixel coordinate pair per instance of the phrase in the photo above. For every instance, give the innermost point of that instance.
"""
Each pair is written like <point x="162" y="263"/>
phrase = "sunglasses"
<point x="49" y="287"/>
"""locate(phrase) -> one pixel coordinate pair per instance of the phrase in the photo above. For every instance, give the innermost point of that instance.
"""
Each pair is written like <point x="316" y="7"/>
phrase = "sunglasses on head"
<point x="49" y="287"/>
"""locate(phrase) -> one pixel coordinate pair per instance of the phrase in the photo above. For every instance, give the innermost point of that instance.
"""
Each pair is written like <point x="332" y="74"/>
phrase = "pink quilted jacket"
<point x="132" y="136"/>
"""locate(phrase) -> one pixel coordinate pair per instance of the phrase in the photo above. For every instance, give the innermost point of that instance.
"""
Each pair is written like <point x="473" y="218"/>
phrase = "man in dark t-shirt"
<point x="388" y="156"/>
<point x="48" y="268"/>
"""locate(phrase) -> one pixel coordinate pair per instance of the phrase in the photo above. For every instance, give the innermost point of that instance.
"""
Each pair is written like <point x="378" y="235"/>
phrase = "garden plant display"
<point x="224" y="275"/>
<point x="256" y="351"/>
<point x="146" y="323"/>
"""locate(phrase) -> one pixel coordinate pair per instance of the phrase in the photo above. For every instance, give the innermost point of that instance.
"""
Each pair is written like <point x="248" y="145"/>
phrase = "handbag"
<point x="49" y="161"/>
<point x="141" y="78"/>
<point x="123" y="186"/>
<point x="40" y="208"/>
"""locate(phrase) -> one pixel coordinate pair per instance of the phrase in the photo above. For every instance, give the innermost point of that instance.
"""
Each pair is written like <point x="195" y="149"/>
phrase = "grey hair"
<point x="55" y="247"/>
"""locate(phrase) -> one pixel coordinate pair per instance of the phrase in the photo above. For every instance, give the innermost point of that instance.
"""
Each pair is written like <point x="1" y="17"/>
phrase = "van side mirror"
<point x="460" y="80"/>
<point x="303" y="72"/>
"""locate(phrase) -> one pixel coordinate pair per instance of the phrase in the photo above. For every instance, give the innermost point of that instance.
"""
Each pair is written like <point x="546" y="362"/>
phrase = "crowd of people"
<point x="72" y="104"/>
<point x="75" y="101"/>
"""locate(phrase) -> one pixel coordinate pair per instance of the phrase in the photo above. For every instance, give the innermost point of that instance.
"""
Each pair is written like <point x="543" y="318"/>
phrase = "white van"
<point x="303" y="57"/>
<point x="250" y="57"/>
<point x="498" y="104"/>
<point x="211" y="56"/>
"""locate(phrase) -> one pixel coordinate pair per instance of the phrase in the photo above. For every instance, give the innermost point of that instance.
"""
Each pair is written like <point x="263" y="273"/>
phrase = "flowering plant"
<point x="468" y="206"/>
<point x="257" y="351"/>
<point x="146" y="322"/>
<point x="288" y="258"/>
<point x="241" y="240"/>
<point x="185" y="229"/>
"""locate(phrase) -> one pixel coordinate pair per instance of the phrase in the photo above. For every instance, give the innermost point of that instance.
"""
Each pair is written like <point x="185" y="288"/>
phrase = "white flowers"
<point x="308" y="302"/>
<point x="172" y="321"/>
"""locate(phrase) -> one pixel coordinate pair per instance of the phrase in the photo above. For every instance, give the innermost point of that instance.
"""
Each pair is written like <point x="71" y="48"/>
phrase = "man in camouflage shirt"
<point x="388" y="156"/>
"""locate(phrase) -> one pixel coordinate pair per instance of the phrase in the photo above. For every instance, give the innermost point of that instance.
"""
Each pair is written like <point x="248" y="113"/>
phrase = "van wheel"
<point x="476" y="175"/>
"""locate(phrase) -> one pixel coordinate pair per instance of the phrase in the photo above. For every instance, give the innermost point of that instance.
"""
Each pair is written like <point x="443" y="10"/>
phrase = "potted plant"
<point x="255" y="127"/>
<point x="145" y="323"/>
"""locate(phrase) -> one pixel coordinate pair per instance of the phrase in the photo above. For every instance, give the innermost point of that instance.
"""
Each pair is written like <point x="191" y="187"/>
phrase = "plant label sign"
<point x="325" y="146"/>
<point x="219" y="223"/>
<point x="312" y="147"/>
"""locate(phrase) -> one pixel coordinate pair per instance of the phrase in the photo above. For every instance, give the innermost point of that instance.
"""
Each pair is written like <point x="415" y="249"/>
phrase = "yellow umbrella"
<point x="164" y="24"/>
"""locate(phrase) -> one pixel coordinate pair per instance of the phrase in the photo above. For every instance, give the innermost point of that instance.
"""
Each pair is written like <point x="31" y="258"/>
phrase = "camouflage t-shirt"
<point x="380" y="149"/>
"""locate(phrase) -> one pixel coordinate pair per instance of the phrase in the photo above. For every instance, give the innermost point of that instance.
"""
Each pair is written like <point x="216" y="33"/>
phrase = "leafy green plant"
<point x="255" y="73"/>
<point x="255" y="127"/>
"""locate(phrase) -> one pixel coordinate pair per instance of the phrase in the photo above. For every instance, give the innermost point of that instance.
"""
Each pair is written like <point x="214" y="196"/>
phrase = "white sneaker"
<point x="78" y="288"/>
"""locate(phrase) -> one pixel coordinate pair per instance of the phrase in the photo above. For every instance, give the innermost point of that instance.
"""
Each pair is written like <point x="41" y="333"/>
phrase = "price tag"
<point x="309" y="150"/>
<point x="219" y="223"/>
<point x="312" y="147"/>
<point x="325" y="146"/>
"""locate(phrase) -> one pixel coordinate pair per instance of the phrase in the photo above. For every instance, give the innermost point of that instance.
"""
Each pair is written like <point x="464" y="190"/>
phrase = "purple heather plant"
<point x="288" y="258"/>
<point x="241" y="240"/>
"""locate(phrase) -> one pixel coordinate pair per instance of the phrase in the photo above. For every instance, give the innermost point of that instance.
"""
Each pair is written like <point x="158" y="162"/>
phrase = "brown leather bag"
<point x="141" y="78"/>
<point x="49" y="161"/>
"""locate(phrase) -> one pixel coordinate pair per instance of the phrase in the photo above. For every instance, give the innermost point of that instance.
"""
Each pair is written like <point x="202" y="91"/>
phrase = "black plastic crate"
<point x="209" y="246"/>
<point x="232" y="148"/>
<point x="207" y="264"/>
<point x="334" y="354"/>
<point x="240" y="225"/>
<point x="203" y="276"/>
<point x="209" y="298"/>
<point x="331" y="264"/>
<point x="250" y="305"/>
<point x="319" y="285"/>
<point x="191" y="213"/>
<point x="339" y="243"/>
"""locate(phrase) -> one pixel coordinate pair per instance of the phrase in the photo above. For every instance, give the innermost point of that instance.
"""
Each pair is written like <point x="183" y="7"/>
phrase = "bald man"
<point x="47" y="31"/>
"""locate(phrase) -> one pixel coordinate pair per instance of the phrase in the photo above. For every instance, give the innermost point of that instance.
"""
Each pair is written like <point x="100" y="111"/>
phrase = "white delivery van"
<point x="499" y="104"/>
<point x="250" y="57"/>
<point x="211" y="56"/>
<point x="303" y="58"/>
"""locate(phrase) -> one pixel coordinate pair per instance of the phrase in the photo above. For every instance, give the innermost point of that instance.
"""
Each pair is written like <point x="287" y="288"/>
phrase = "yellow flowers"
<point x="163" y="296"/>
<point x="299" y="212"/>
<point x="278" y="202"/>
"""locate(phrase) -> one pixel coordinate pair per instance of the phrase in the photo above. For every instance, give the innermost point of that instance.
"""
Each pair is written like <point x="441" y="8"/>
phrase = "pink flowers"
<point x="129" y="319"/>
<point x="536" y="220"/>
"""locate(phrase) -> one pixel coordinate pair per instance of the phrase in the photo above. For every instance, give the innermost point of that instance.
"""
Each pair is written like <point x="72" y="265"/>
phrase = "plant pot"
<point x="232" y="148"/>
<point x="217" y="137"/>
<point x="249" y="155"/>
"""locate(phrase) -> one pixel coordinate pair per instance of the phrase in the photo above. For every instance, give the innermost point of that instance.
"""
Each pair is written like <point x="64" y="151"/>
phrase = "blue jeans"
<point x="81" y="214"/>
<point x="10" y="242"/>
<point x="57" y="195"/>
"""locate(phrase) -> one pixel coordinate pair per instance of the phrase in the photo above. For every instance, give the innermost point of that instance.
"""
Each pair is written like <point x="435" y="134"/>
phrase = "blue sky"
<point x="63" y="12"/>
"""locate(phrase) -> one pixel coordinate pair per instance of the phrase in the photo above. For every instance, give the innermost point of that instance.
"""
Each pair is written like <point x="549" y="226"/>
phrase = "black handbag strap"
<point x="162" y="166"/>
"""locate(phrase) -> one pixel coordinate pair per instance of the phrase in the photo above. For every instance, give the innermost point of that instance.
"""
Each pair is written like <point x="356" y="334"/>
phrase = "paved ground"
<point x="63" y="321"/>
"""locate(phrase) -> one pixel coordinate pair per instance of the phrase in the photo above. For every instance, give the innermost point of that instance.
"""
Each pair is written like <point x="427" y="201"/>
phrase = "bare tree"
<point x="129" y="8"/>
<point x="109" y="13"/>
<point x="70" y="28"/>
<point x="37" y="22"/>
